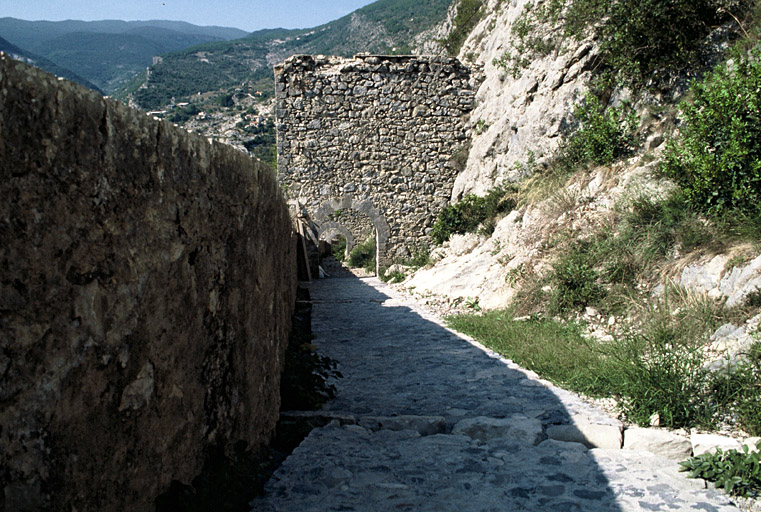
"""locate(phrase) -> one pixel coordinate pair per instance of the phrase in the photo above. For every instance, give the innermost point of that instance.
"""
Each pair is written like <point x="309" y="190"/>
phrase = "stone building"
<point x="375" y="135"/>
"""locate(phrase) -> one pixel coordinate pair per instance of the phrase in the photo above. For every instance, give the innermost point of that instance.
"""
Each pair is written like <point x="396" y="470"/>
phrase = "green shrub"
<point x="421" y="257"/>
<point x="182" y="114"/>
<point x="604" y="135"/>
<point x="661" y="374"/>
<point x="645" y="38"/>
<point x="363" y="255"/>
<point x="338" y="248"/>
<point x="738" y="473"/>
<point x="226" y="100"/>
<point x="574" y="280"/>
<point x="639" y="39"/>
<point x="471" y="212"/>
<point x="717" y="159"/>
<point x="393" y="277"/>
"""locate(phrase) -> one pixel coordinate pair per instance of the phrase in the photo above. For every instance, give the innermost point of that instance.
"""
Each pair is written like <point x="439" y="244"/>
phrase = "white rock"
<point x="589" y="434"/>
<point x="702" y="443"/>
<point x="752" y="443"/>
<point x="657" y="441"/>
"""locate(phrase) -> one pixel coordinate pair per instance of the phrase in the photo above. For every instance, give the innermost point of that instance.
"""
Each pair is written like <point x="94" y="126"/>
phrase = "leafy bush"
<point x="605" y="134"/>
<point x="643" y="38"/>
<point x="662" y="374"/>
<point x="717" y="160"/>
<point x="363" y="255"/>
<point x="182" y="114"/>
<point x="575" y="280"/>
<point x="469" y="13"/>
<point x="639" y="39"/>
<point x="338" y="248"/>
<point x="471" y="212"/>
<point x="738" y="473"/>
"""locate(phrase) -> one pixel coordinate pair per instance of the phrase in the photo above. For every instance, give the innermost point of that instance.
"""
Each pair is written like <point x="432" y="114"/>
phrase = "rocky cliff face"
<point x="147" y="285"/>
<point x="515" y="126"/>
<point x="516" y="117"/>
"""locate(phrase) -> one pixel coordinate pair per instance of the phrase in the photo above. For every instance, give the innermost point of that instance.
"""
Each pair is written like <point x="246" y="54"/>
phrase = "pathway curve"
<point x="426" y="420"/>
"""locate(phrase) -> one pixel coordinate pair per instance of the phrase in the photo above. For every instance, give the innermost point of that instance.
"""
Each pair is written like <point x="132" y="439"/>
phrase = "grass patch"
<point x="656" y="366"/>
<point x="558" y="351"/>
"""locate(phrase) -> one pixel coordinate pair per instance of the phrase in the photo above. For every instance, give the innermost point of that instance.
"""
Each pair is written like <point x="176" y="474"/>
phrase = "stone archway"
<point x="382" y="231"/>
<point x="330" y="230"/>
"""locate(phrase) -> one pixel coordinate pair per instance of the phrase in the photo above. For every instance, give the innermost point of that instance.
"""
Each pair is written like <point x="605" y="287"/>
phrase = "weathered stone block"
<point x="657" y="441"/>
<point x="589" y="434"/>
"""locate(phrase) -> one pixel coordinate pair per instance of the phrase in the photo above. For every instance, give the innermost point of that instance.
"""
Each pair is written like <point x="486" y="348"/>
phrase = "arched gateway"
<point x="374" y="134"/>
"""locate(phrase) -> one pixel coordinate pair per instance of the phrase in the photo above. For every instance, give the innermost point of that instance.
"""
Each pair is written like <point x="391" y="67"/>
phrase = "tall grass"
<point x="655" y="366"/>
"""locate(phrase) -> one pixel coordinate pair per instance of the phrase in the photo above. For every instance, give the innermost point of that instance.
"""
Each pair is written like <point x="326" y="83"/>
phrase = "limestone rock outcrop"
<point x="147" y="282"/>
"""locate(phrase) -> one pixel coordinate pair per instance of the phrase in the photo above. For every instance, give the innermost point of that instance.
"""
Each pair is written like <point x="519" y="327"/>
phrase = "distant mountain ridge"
<point x="108" y="53"/>
<point x="41" y="62"/>
<point x="385" y="26"/>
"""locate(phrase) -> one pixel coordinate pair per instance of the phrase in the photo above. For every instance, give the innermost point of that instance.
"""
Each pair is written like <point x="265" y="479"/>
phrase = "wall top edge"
<point x="312" y="62"/>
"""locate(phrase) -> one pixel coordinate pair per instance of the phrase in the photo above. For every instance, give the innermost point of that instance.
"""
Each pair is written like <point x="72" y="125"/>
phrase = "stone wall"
<point x="148" y="278"/>
<point x="376" y="131"/>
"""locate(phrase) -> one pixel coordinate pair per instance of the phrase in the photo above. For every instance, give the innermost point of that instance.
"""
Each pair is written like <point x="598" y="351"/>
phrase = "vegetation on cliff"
<point x="708" y="187"/>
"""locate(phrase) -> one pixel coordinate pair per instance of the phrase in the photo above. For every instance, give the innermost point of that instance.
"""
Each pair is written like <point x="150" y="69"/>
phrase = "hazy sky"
<point x="248" y="15"/>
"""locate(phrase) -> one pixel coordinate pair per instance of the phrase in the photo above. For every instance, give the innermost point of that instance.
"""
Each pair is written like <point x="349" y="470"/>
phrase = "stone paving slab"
<point x="428" y="420"/>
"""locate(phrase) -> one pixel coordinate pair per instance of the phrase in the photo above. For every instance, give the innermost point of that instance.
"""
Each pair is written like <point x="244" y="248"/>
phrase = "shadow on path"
<point x="426" y="420"/>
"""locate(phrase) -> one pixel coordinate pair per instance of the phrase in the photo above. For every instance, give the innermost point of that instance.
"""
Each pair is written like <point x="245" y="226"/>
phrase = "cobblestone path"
<point x="426" y="420"/>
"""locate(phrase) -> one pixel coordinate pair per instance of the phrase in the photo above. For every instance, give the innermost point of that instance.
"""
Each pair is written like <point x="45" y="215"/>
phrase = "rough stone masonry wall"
<point x="372" y="128"/>
<point x="147" y="282"/>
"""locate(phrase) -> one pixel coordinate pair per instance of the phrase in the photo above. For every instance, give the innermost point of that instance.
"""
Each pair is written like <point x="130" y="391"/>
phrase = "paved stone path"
<point x="426" y="420"/>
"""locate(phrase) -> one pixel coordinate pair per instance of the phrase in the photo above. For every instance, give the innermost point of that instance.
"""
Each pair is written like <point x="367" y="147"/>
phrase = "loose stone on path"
<point x="425" y="419"/>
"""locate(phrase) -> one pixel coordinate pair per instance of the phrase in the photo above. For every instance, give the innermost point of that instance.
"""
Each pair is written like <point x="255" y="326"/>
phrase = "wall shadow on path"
<point x="428" y="421"/>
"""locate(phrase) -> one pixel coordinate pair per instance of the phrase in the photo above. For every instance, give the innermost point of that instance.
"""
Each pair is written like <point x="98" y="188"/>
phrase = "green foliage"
<point x="717" y="159"/>
<point x="556" y="350"/>
<point x="525" y="44"/>
<point x="471" y="212"/>
<point x="396" y="276"/>
<point x="421" y="257"/>
<point x="737" y="472"/>
<point x="262" y="144"/>
<point x="662" y="373"/>
<point x="182" y="114"/>
<point x="605" y="134"/>
<point x="575" y="280"/>
<point x="469" y="13"/>
<point x="363" y="255"/>
<point x="656" y="368"/>
<point x="640" y="40"/>
<point x="338" y="248"/>
<point x="226" y="101"/>
<point x="645" y="38"/>
<point x="739" y="389"/>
